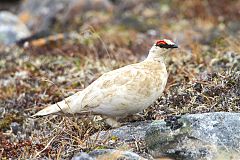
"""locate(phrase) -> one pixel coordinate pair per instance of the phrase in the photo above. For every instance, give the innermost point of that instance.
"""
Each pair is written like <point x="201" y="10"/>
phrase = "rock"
<point x="200" y="136"/>
<point x="82" y="156"/>
<point x="102" y="154"/>
<point x="126" y="136"/>
<point x="77" y="7"/>
<point x="15" y="127"/>
<point x="11" y="28"/>
<point x="41" y="15"/>
<point x="127" y="133"/>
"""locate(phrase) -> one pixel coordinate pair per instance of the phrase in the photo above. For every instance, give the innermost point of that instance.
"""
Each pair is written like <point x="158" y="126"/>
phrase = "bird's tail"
<point x="71" y="105"/>
<point x="62" y="106"/>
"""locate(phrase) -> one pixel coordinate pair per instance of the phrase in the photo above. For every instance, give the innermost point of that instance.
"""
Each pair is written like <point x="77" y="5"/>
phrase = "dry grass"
<point x="189" y="90"/>
<point x="204" y="75"/>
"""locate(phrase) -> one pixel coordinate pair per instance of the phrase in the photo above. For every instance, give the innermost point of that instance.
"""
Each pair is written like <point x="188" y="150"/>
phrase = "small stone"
<point x="15" y="127"/>
<point x="198" y="87"/>
<point x="11" y="28"/>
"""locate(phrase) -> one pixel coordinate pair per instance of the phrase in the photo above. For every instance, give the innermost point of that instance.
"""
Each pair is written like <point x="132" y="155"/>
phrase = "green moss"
<point x="114" y="138"/>
<point x="219" y="42"/>
<point x="8" y="119"/>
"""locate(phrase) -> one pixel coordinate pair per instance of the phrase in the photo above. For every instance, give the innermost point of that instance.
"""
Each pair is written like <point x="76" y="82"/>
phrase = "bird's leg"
<point x="137" y="117"/>
<point x="132" y="118"/>
<point x="112" y="122"/>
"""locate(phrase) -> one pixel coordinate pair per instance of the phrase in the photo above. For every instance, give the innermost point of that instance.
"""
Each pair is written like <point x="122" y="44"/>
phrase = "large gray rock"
<point x="41" y="15"/>
<point x="104" y="154"/>
<point x="199" y="136"/>
<point x="127" y="133"/>
<point x="11" y="28"/>
<point x="129" y="136"/>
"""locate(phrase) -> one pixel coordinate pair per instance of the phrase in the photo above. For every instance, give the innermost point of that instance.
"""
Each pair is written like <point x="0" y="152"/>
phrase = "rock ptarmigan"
<point x="121" y="92"/>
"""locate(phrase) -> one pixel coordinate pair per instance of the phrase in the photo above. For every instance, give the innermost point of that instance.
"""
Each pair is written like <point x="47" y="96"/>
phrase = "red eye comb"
<point x="160" y="42"/>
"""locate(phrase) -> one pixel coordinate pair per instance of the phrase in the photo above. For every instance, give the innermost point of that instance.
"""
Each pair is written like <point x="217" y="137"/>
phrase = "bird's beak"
<point x="174" y="46"/>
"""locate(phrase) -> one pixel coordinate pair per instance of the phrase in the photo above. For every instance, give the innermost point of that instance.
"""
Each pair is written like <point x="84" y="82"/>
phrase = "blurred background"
<point x="49" y="49"/>
<point x="124" y="24"/>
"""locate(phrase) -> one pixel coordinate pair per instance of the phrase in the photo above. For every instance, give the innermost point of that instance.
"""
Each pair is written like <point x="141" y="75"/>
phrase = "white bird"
<point x="121" y="92"/>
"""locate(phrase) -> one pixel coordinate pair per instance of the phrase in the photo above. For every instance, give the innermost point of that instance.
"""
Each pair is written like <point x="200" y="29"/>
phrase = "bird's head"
<point x="161" y="47"/>
<point x="166" y="44"/>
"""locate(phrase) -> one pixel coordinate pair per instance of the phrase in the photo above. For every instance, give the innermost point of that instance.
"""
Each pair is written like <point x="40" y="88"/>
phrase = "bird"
<point x="121" y="92"/>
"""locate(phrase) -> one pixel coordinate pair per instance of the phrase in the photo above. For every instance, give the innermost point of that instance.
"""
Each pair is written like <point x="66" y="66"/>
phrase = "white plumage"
<point x="123" y="91"/>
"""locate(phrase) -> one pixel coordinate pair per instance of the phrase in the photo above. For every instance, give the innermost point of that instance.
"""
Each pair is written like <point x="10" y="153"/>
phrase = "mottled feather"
<point x="120" y="92"/>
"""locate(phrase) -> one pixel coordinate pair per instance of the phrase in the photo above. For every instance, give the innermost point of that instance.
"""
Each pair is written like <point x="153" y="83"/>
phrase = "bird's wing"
<point x="135" y="77"/>
<point x="106" y="85"/>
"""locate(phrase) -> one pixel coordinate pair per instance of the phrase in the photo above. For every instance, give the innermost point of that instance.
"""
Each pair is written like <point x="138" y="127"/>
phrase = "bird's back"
<point x="124" y="91"/>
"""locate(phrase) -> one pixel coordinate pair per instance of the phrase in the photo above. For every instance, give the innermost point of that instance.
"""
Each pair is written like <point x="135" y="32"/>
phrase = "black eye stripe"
<point x="166" y="46"/>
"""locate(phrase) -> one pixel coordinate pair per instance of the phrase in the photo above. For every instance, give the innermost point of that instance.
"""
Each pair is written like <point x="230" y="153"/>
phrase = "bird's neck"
<point x="156" y="54"/>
